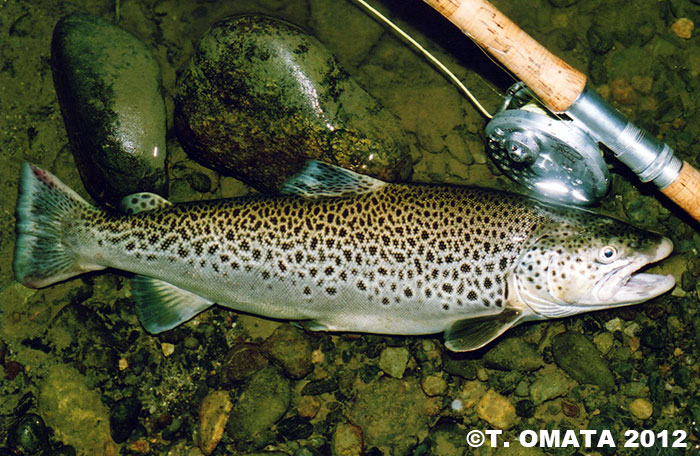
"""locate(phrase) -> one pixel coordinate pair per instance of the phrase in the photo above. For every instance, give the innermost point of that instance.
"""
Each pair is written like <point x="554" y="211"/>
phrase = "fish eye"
<point x="607" y="254"/>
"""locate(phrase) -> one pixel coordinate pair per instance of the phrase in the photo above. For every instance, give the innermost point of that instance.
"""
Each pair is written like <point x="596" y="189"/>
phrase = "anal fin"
<point x="473" y="333"/>
<point x="162" y="306"/>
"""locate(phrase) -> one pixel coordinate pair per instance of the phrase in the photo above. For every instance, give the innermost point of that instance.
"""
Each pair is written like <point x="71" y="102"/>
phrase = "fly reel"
<point x="552" y="157"/>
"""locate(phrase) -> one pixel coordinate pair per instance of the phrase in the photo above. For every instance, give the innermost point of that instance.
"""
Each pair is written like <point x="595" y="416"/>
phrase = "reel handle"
<point x="555" y="82"/>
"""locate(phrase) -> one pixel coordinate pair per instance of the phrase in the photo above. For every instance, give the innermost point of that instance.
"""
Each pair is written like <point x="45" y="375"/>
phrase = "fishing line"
<point x="431" y="58"/>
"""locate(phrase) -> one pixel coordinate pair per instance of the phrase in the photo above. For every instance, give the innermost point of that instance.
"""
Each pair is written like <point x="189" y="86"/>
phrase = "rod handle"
<point x="685" y="190"/>
<point x="555" y="82"/>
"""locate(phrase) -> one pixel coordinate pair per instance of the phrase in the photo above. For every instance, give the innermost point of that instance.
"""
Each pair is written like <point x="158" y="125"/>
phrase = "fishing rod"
<point x="546" y="135"/>
<point x="564" y="90"/>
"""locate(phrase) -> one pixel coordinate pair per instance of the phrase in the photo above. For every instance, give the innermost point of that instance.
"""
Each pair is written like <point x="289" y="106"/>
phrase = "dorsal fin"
<point x="140" y="202"/>
<point x="473" y="333"/>
<point x="321" y="180"/>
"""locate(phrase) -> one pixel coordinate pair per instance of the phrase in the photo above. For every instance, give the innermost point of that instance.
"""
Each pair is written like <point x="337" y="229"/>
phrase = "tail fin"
<point x="47" y="211"/>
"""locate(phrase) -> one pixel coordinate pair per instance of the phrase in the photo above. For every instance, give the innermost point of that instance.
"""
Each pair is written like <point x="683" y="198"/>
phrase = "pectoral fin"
<point x="474" y="333"/>
<point x="162" y="306"/>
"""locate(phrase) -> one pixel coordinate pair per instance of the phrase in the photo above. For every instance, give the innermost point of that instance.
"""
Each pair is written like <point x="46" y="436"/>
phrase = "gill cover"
<point x="593" y="264"/>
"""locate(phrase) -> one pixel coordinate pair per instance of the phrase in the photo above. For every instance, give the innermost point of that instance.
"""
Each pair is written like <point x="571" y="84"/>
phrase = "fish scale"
<point x="340" y="250"/>
<point x="367" y="257"/>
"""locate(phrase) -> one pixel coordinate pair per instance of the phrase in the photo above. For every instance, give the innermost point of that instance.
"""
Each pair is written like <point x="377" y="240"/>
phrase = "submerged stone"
<point x="579" y="358"/>
<point x="213" y="416"/>
<point x="123" y="418"/>
<point x="260" y="97"/>
<point x="29" y="435"/>
<point x="260" y="405"/>
<point x="108" y="87"/>
<point x="513" y="354"/>
<point x="391" y="413"/>
<point x="289" y="348"/>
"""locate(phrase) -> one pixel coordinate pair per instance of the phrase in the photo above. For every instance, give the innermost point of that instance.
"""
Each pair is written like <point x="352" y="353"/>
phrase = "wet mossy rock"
<point x="579" y="358"/>
<point x="260" y="97"/>
<point x="108" y="87"/>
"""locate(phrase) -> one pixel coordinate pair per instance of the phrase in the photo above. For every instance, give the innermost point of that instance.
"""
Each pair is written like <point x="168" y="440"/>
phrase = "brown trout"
<point x="345" y="252"/>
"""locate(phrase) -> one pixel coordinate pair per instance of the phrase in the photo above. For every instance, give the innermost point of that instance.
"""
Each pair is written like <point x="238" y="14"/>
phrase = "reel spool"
<point x="552" y="157"/>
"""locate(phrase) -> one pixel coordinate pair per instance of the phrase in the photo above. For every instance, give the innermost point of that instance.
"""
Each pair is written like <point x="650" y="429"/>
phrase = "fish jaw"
<point x="625" y="286"/>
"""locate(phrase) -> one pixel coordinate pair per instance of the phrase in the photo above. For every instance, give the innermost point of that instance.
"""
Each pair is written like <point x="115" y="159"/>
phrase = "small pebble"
<point x="569" y="408"/>
<point x="168" y="349"/>
<point x="482" y="374"/>
<point x="213" y="416"/>
<point x="683" y="28"/>
<point x="604" y="342"/>
<point x="191" y="343"/>
<point x="12" y="369"/>
<point x="641" y="408"/>
<point x="140" y="446"/>
<point x="634" y="343"/>
<point x="393" y="361"/>
<point x="347" y="440"/>
<point x="622" y="92"/>
<point x="308" y="406"/>
<point x="496" y="410"/>
<point x="433" y="385"/>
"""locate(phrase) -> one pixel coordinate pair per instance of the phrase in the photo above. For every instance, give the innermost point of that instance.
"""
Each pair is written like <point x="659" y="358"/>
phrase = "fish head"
<point x="592" y="262"/>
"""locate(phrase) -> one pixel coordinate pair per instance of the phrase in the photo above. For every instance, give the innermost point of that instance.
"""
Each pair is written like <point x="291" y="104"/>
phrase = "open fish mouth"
<point x="625" y="285"/>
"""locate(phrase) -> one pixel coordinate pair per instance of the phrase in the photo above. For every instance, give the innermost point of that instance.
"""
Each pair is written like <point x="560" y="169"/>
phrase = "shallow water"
<point x="81" y="348"/>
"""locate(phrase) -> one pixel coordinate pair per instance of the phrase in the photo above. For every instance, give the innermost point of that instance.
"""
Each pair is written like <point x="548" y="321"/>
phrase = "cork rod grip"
<point x="685" y="190"/>
<point x="556" y="82"/>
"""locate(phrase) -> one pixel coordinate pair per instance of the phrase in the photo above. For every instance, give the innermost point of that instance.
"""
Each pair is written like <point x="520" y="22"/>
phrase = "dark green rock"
<point x="295" y="428"/>
<point x="653" y="337"/>
<point x="241" y="362"/>
<point x="446" y="433"/>
<point x="566" y="41"/>
<point x="599" y="40"/>
<point x="64" y="450"/>
<point x="683" y="376"/>
<point x="108" y="87"/>
<point x="525" y="408"/>
<point x="513" y="354"/>
<point x="597" y="70"/>
<point x="199" y="182"/>
<point x="289" y="348"/>
<point x="368" y="372"/>
<point x="29" y="435"/>
<point x="260" y="97"/>
<point x="464" y="368"/>
<point x="260" y="405"/>
<point x="562" y="3"/>
<point x="123" y="418"/>
<point x="580" y="359"/>
<point x="317" y="387"/>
